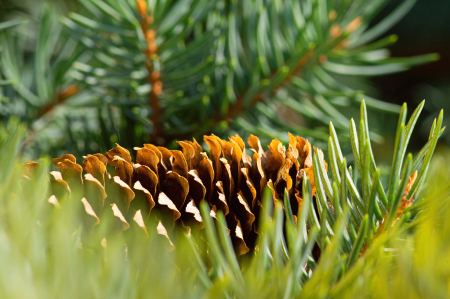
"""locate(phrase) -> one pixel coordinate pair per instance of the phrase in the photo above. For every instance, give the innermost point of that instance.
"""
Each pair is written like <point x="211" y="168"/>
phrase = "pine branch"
<point x="219" y="62"/>
<point x="115" y="240"/>
<point x="238" y="108"/>
<point x="41" y="82"/>
<point x="62" y="96"/>
<point x="153" y="75"/>
<point x="284" y="193"/>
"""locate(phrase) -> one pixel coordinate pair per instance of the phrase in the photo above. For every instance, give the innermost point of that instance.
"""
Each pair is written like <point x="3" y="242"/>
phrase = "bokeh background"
<point x="425" y="29"/>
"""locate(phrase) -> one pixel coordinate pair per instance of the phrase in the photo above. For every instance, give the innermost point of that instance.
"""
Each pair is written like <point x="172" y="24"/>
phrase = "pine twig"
<point x="63" y="95"/>
<point x="153" y="75"/>
<point x="239" y="108"/>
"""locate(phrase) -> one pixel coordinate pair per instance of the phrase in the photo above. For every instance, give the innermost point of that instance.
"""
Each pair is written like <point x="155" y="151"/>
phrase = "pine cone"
<point x="173" y="183"/>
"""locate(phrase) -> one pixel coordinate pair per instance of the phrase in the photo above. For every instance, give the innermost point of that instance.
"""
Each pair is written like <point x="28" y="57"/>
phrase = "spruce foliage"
<point x="216" y="218"/>
<point x="38" y="231"/>
<point x="157" y="71"/>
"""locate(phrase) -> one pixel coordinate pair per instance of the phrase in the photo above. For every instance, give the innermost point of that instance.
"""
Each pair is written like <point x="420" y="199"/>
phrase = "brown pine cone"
<point x="172" y="183"/>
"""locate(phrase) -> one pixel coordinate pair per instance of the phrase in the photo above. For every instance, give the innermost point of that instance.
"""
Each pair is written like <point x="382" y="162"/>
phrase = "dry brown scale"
<point x="173" y="183"/>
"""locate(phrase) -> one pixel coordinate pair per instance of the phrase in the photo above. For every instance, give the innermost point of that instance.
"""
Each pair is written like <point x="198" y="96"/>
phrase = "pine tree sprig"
<point x="283" y="265"/>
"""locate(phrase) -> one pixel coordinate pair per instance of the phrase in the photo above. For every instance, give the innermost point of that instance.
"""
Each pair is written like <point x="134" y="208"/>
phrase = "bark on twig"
<point x="239" y="107"/>
<point x="153" y="75"/>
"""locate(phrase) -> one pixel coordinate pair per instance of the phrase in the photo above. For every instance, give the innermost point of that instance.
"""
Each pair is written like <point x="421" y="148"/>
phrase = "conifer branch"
<point x="153" y="75"/>
<point x="218" y="64"/>
<point x="335" y="33"/>
<point x="62" y="96"/>
<point x="238" y="108"/>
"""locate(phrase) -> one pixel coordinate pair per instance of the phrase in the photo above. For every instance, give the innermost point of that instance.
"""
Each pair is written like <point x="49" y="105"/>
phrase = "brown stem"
<point x="64" y="94"/>
<point x="153" y="75"/>
<point x="239" y="108"/>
